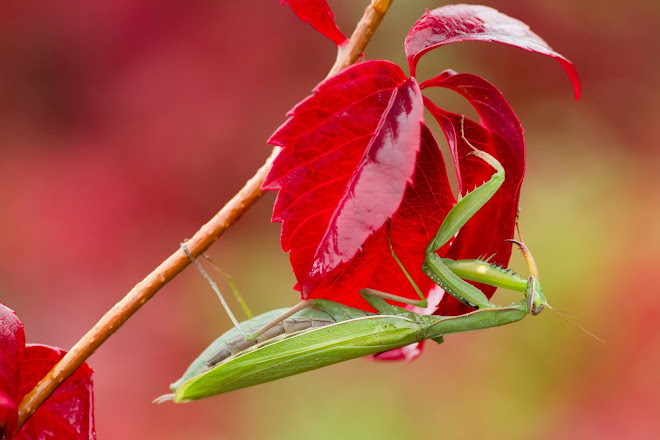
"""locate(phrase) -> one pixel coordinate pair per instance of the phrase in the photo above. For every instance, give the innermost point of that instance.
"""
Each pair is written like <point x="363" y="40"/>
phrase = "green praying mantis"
<point x="317" y="333"/>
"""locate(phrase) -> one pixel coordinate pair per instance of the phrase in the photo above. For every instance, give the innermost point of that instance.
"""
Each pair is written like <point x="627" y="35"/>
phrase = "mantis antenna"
<point x="534" y="273"/>
<point x="575" y="325"/>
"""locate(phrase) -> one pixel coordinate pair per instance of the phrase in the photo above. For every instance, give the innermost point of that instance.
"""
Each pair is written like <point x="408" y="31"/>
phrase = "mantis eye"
<point x="537" y="308"/>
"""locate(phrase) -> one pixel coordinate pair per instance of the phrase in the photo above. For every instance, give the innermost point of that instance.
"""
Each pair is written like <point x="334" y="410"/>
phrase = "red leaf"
<point x="68" y="414"/>
<point x="12" y="343"/>
<point x="349" y="150"/>
<point x="501" y="135"/>
<point x="449" y="24"/>
<point x="318" y="14"/>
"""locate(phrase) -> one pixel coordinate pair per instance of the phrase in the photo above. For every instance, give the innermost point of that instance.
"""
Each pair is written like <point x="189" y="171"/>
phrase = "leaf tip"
<point x="571" y="71"/>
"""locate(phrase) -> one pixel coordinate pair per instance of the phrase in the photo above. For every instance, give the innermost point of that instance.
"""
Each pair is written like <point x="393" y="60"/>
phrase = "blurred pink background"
<point x="126" y="125"/>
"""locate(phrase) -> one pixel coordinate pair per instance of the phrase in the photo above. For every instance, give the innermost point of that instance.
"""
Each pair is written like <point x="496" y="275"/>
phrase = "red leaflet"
<point x="501" y="135"/>
<point x="12" y="343"/>
<point x="318" y="14"/>
<point x="350" y="150"/>
<point x="68" y="414"/>
<point x="449" y="24"/>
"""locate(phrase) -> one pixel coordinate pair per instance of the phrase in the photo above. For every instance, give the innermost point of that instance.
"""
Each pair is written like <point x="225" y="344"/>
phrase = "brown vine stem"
<point x="200" y="242"/>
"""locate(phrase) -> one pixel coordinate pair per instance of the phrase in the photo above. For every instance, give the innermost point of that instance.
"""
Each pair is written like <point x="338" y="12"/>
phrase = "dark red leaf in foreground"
<point x="68" y="414"/>
<point x="501" y="135"/>
<point x="318" y="14"/>
<point x="12" y="343"/>
<point x="349" y="151"/>
<point x="449" y="24"/>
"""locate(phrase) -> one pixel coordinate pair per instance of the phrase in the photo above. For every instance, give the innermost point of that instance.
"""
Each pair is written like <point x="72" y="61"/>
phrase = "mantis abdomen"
<point x="236" y="340"/>
<point x="300" y="352"/>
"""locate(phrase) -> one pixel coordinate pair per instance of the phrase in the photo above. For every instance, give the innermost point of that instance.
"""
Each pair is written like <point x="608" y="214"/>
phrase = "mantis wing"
<point x="302" y="352"/>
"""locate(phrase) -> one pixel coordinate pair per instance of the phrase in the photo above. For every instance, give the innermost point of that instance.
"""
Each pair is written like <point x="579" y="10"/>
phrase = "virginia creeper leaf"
<point x="501" y="135"/>
<point x="318" y="14"/>
<point x="349" y="151"/>
<point x="68" y="414"/>
<point x="12" y="343"/>
<point x="449" y="24"/>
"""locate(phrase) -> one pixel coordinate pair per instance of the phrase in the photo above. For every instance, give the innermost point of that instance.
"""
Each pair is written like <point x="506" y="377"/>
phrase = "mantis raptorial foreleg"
<point x="434" y="266"/>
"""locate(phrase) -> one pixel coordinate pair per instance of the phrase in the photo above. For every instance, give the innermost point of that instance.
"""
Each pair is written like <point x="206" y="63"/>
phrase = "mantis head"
<point x="536" y="301"/>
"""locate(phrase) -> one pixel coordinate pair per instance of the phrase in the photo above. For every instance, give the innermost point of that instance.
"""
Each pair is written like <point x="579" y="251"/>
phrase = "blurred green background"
<point x="125" y="125"/>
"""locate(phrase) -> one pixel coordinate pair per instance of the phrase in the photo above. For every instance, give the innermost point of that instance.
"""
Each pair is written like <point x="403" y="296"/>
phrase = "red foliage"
<point x="354" y="157"/>
<point x="68" y="414"/>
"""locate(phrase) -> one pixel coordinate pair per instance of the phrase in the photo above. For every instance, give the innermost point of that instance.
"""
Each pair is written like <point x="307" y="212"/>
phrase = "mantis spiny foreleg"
<point x="465" y="208"/>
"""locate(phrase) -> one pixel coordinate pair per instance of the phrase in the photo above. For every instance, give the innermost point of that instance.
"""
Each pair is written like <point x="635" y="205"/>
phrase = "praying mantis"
<point x="319" y="332"/>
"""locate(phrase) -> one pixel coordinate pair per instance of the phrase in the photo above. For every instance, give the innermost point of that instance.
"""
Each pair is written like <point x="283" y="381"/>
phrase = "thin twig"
<point x="199" y="243"/>
<point x="365" y="28"/>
